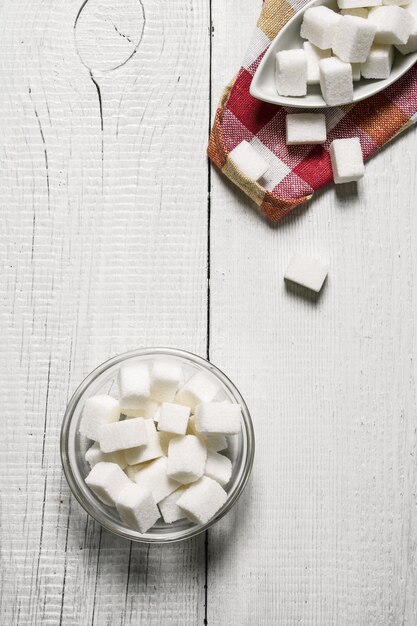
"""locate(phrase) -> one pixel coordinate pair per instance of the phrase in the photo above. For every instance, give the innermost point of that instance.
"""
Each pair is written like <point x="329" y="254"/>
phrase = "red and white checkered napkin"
<point x="297" y="171"/>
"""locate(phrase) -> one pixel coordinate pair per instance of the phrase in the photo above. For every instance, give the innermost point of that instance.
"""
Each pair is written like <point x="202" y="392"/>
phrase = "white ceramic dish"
<point x="263" y="83"/>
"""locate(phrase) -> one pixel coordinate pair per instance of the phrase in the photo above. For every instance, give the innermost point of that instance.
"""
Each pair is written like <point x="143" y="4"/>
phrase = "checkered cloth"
<point x="297" y="171"/>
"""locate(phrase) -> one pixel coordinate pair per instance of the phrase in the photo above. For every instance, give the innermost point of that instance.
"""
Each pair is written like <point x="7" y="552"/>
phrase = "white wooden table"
<point x="115" y="235"/>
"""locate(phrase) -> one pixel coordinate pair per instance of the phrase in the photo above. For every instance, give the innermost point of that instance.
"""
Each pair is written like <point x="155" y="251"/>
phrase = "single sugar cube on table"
<point x="307" y="272"/>
<point x="314" y="55"/>
<point x="359" y="12"/>
<point x="305" y="128"/>
<point x="94" y="455"/>
<point x="134" y="386"/>
<point x="169" y="509"/>
<point x="202" y="500"/>
<point x="357" y="4"/>
<point x="165" y="380"/>
<point x="353" y="39"/>
<point x="154" y="476"/>
<point x="173" y="418"/>
<point x="218" y="418"/>
<point x="291" y="72"/>
<point x="98" y="410"/>
<point x="411" y="45"/>
<point x="121" y="435"/>
<point x="151" y="450"/>
<point x="200" y="388"/>
<point x="379" y="62"/>
<point x="319" y="26"/>
<point x="218" y="467"/>
<point x="107" y="480"/>
<point x="137" y="508"/>
<point x="336" y="81"/>
<point x="393" y="24"/>
<point x="186" y="459"/>
<point x="347" y="160"/>
<point x="249" y="161"/>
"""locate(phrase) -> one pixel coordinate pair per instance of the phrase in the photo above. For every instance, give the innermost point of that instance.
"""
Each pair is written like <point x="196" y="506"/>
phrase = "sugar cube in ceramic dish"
<point x="291" y="72"/>
<point x="359" y="12"/>
<point x="393" y="24"/>
<point x="307" y="272"/>
<point x="186" y="459"/>
<point x="347" y="160"/>
<point x="107" y="480"/>
<point x="353" y="39"/>
<point x="137" y="507"/>
<point x="336" y="81"/>
<point x="122" y="435"/>
<point x="314" y="55"/>
<point x="218" y="418"/>
<point x="305" y="128"/>
<point x="319" y="26"/>
<point x="357" y="4"/>
<point x="98" y="410"/>
<point x="202" y="500"/>
<point x="379" y="62"/>
<point x="249" y="161"/>
<point x="134" y="386"/>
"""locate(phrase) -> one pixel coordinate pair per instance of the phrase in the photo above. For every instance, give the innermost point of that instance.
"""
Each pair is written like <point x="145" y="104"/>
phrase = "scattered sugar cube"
<point x="121" y="435"/>
<point x="359" y="12"/>
<point x="393" y="24"/>
<point x="319" y="25"/>
<point x="98" y="410"/>
<point x="411" y="45"/>
<point x="200" y="388"/>
<point x="202" y="500"/>
<point x="95" y="455"/>
<point x="305" y="128"/>
<point x="249" y="161"/>
<point x="153" y="476"/>
<point x="137" y="508"/>
<point x="218" y="467"/>
<point x="166" y="376"/>
<point x="356" y="72"/>
<point x="356" y="4"/>
<point x="134" y="386"/>
<point x="151" y="450"/>
<point x="353" y="39"/>
<point x="218" y="418"/>
<point x="173" y="418"/>
<point x="336" y="81"/>
<point x="347" y="160"/>
<point x="291" y="73"/>
<point x="314" y="55"/>
<point x="306" y="271"/>
<point x="169" y="509"/>
<point x="107" y="480"/>
<point x="186" y="459"/>
<point x="379" y="62"/>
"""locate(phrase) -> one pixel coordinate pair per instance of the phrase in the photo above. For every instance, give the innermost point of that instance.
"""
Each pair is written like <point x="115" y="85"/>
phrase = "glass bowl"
<point x="103" y="379"/>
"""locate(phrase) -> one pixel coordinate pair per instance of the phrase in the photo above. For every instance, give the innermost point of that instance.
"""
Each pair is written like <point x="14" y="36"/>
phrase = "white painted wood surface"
<point x="105" y="231"/>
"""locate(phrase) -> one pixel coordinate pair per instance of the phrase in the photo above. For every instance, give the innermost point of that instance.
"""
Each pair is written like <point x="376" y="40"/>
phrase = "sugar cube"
<point x="173" y="418"/>
<point x="98" y="410"/>
<point x="153" y="476"/>
<point x="359" y="12"/>
<point x="356" y="4"/>
<point x="218" y="467"/>
<point x="314" y="55"/>
<point x="107" y="480"/>
<point x="212" y="442"/>
<point x="249" y="161"/>
<point x="186" y="459"/>
<point x="347" y="160"/>
<point x="121" y="435"/>
<point x="169" y="509"/>
<point x="356" y="72"/>
<point x="393" y="24"/>
<point x="134" y="386"/>
<point x="164" y="439"/>
<point x="94" y="455"/>
<point x="137" y="508"/>
<point x="306" y="271"/>
<point x="202" y="500"/>
<point x="218" y="418"/>
<point x="305" y="128"/>
<point x="379" y="62"/>
<point x="336" y="81"/>
<point x="319" y="25"/>
<point x="353" y="39"/>
<point x="200" y="388"/>
<point x="411" y="45"/>
<point x="151" y="450"/>
<point x="165" y="379"/>
<point x="291" y="73"/>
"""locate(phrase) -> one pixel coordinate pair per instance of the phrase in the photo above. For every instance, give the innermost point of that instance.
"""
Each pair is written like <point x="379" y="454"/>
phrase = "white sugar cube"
<point x="306" y="271"/>
<point x="356" y="4"/>
<point x="149" y="410"/>
<point x="95" y="455"/>
<point x="393" y="24"/>
<point x="411" y="45"/>
<point x="107" y="480"/>
<point x="218" y="418"/>
<point x="200" y="388"/>
<point x="249" y="161"/>
<point x="403" y="3"/>
<point x="218" y="467"/>
<point x="336" y="81"/>
<point x="166" y="376"/>
<point x="291" y="73"/>
<point x="137" y="508"/>
<point x="151" y="450"/>
<point x="173" y="418"/>
<point x="169" y="509"/>
<point x="356" y="72"/>
<point x="314" y="55"/>
<point x="98" y="410"/>
<point x="212" y="442"/>
<point x="164" y="439"/>
<point x="319" y="25"/>
<point x="347" y="160"/>
<point x="121" y="435"/>
<point x="153" y="476"/>
<point x="186" y="459"/>
<point x="379" y="62"/>
<point x="134" y="386"/>
<point x="202" y="500"/>
<point x="305" y="128"/>
<point x="359" y="12"/>
<point x="353" y="39"/>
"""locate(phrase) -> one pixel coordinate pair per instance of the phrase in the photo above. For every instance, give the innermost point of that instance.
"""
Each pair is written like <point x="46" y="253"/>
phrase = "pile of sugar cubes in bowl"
<point x="159" y="444"/>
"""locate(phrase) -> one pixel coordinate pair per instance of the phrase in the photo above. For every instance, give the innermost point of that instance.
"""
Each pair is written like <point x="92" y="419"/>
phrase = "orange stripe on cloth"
<point x="275" y="14"/>
<point x="378" y="117"/>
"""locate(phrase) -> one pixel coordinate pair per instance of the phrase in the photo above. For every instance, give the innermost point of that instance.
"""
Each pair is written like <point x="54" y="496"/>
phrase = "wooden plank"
<point x="105" y="250"/>
<point x="326" y="531"/>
